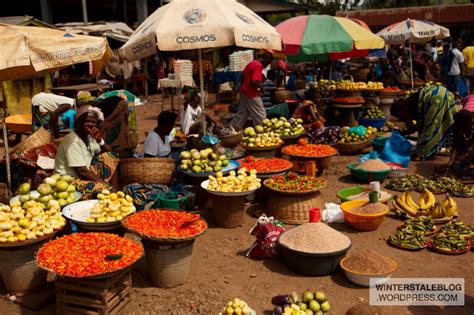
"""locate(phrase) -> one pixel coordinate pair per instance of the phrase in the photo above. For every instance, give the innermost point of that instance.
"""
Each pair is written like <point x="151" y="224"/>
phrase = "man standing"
<point x="454" y="72"/>
<point x="251" y="105"/>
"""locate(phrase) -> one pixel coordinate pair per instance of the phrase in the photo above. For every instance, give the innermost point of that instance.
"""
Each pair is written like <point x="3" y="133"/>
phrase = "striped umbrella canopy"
<point x="414" y="31"/>
<point x="321" y="37"/>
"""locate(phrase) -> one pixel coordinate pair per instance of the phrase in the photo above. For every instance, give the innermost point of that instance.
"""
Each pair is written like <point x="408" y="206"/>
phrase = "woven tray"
<point x="293" y="193"/>
<point x="164" y="240"/>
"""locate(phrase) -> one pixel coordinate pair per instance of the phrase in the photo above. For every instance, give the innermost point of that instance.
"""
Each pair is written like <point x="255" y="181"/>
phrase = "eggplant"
<point x="278" y="310"/>
<point x="280" y="300"/>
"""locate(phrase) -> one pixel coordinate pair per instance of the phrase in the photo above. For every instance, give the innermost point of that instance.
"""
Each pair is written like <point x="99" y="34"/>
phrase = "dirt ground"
<point x="220" y="271"/>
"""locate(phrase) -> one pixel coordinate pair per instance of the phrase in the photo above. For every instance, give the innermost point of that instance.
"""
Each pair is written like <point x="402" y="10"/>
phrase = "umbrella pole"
<point x="5" y="144"/>
<point x="201" y="86"/>
<point x="411" y="67"/>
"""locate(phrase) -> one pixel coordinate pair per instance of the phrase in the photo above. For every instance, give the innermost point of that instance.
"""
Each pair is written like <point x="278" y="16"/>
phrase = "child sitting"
<point x="307" y="110"/>
<point x="192" y="111"/>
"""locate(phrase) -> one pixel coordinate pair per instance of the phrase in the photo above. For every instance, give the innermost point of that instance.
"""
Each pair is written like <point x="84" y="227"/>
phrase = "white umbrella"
<point x="413" y="31"/>
<point x="28" y="50"/>
<point x="197" y="24"/>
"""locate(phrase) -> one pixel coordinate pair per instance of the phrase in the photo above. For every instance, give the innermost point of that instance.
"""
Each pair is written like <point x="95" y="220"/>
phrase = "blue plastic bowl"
<point x="377" y="123"/>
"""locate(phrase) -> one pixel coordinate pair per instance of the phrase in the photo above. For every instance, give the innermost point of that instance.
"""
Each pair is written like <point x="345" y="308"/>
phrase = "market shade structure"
<point x="321" y="37"/>
<point x="27" y="50"/>
<point x="197" y="24"/>
<point x="413" y="31"/>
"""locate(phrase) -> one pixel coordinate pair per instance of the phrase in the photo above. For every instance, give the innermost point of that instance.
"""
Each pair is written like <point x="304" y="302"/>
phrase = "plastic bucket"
<point x="170" y="200"/>
<point x="190" y="192"/>
<point x="168" y="265"/>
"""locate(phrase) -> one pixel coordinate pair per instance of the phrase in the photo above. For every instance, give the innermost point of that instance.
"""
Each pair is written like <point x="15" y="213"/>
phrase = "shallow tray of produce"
<point x="437" y="221"/>
<point x="232" y="166"/>
<point x="205" y="184"/>
<point x="132" y="224"/>
<point x="304" y="151"/>
<point x="411" y="247"/>
<point x="449" y="251"/>
<point x="434" y="230"/>
<point x="36" y="194"/>
<point x="297" y="192"/>
<point x="248" y="165"/>
<point x="78" y="213"/>
<point x="29" y="242"/>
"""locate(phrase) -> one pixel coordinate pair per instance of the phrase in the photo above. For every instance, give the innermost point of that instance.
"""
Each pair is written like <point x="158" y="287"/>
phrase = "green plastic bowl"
<point x="366" y="176"/>
<point x="345" y="193"/>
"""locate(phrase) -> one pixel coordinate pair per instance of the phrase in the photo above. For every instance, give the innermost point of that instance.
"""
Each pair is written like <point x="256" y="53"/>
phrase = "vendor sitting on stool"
<point x="308" y="112"/>
<point x="76" y="151"/>
<point x="157" y="143"/>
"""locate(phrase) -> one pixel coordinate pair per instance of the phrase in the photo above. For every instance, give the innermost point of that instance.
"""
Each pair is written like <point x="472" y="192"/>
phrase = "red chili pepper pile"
<point x="264" y="165"/>
<point x="310" y="150"/>
<point x="165" y="223"/>
<point x="294" y="182"/>
<point x="86" y="254"/>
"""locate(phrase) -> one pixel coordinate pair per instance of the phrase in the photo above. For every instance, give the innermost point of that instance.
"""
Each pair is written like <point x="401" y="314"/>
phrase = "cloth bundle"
<point x="267" y="231"/>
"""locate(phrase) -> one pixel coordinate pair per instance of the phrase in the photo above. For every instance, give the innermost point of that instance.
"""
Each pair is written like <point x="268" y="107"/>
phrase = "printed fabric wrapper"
<point x="267" y="231"/>
<point x="144" y="195"/>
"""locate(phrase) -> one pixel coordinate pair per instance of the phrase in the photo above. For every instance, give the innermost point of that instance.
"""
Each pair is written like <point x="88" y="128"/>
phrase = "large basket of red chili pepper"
<point x="309" y="151"/>
<point x="165" y="226"/>
<point x="88" y="255"/>
<point x="294" y="184"/>
<point x="265" y="165"/>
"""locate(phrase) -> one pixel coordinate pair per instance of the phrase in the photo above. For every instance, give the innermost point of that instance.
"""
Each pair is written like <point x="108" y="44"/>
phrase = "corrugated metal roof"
<point x="114" y="30"/>
<point x="24" y="20"/>
<point x="441" y="14"/>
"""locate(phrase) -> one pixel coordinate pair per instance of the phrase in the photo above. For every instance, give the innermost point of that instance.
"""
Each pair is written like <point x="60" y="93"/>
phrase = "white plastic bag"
<point x="332" y="213"/>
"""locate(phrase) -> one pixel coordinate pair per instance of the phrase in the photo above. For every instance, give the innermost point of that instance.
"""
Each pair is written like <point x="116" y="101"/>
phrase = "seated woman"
<point x="76" y="151"/>
<point x="307" y="110"/>
<point x="157" y="143"/>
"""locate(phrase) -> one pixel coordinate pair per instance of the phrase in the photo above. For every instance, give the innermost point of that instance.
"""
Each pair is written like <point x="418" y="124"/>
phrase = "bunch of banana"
<point x="427" y="205"/>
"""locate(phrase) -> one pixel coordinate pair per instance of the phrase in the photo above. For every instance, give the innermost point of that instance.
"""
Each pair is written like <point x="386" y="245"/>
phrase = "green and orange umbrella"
<point x="323" y="37"/>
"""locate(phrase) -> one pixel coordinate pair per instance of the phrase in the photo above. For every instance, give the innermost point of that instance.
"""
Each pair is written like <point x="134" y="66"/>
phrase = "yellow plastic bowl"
<point x="362" y="222"/>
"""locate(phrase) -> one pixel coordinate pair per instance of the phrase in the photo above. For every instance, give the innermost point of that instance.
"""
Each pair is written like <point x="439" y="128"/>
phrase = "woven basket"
<point x="282" y="95"/>
<point x="38" y="138"/>
<point x="351" y="148"/>
<point x="231" y="141"/>
<point x="147" y="170"/>
<point x="293" y="209"/>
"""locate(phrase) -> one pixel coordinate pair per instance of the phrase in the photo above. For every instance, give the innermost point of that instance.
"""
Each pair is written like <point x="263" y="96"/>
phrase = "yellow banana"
<point x="434" y="212"/>
<point x="428" y="198"/>
<point x="407" y="208"/>
<point x="409" y="200"/>
<point x="452" y="206"/>
<point x="445" y="204"/>
<point x="397" y="206"/>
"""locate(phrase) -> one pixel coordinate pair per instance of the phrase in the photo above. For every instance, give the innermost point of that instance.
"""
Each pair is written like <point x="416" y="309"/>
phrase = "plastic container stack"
<point x="239" y="59"/>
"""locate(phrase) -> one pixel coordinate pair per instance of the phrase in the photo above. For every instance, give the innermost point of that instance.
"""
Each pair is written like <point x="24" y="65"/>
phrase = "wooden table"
<point x="74" y="89"/>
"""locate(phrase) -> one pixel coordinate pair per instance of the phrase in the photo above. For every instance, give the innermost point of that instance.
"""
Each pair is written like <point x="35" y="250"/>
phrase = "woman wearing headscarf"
<point x="430" y="112"/>
<point x="81" y="153"/>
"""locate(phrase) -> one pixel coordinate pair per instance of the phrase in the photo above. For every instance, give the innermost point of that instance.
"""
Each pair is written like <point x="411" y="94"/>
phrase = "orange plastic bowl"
<point x="362" y="222"/>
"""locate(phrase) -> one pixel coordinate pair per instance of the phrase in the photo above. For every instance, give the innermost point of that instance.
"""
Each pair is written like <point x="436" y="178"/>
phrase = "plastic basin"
<point x="363" y="279"/>
<point x="367" y="176"/>
<point x="373" y="122"/>
<point x="345" y="193"/>
<point x="379" y="143"/>
<point x="309" y="264"/>
<point x="361" y="222"/>
<point x="170" y="200"/>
